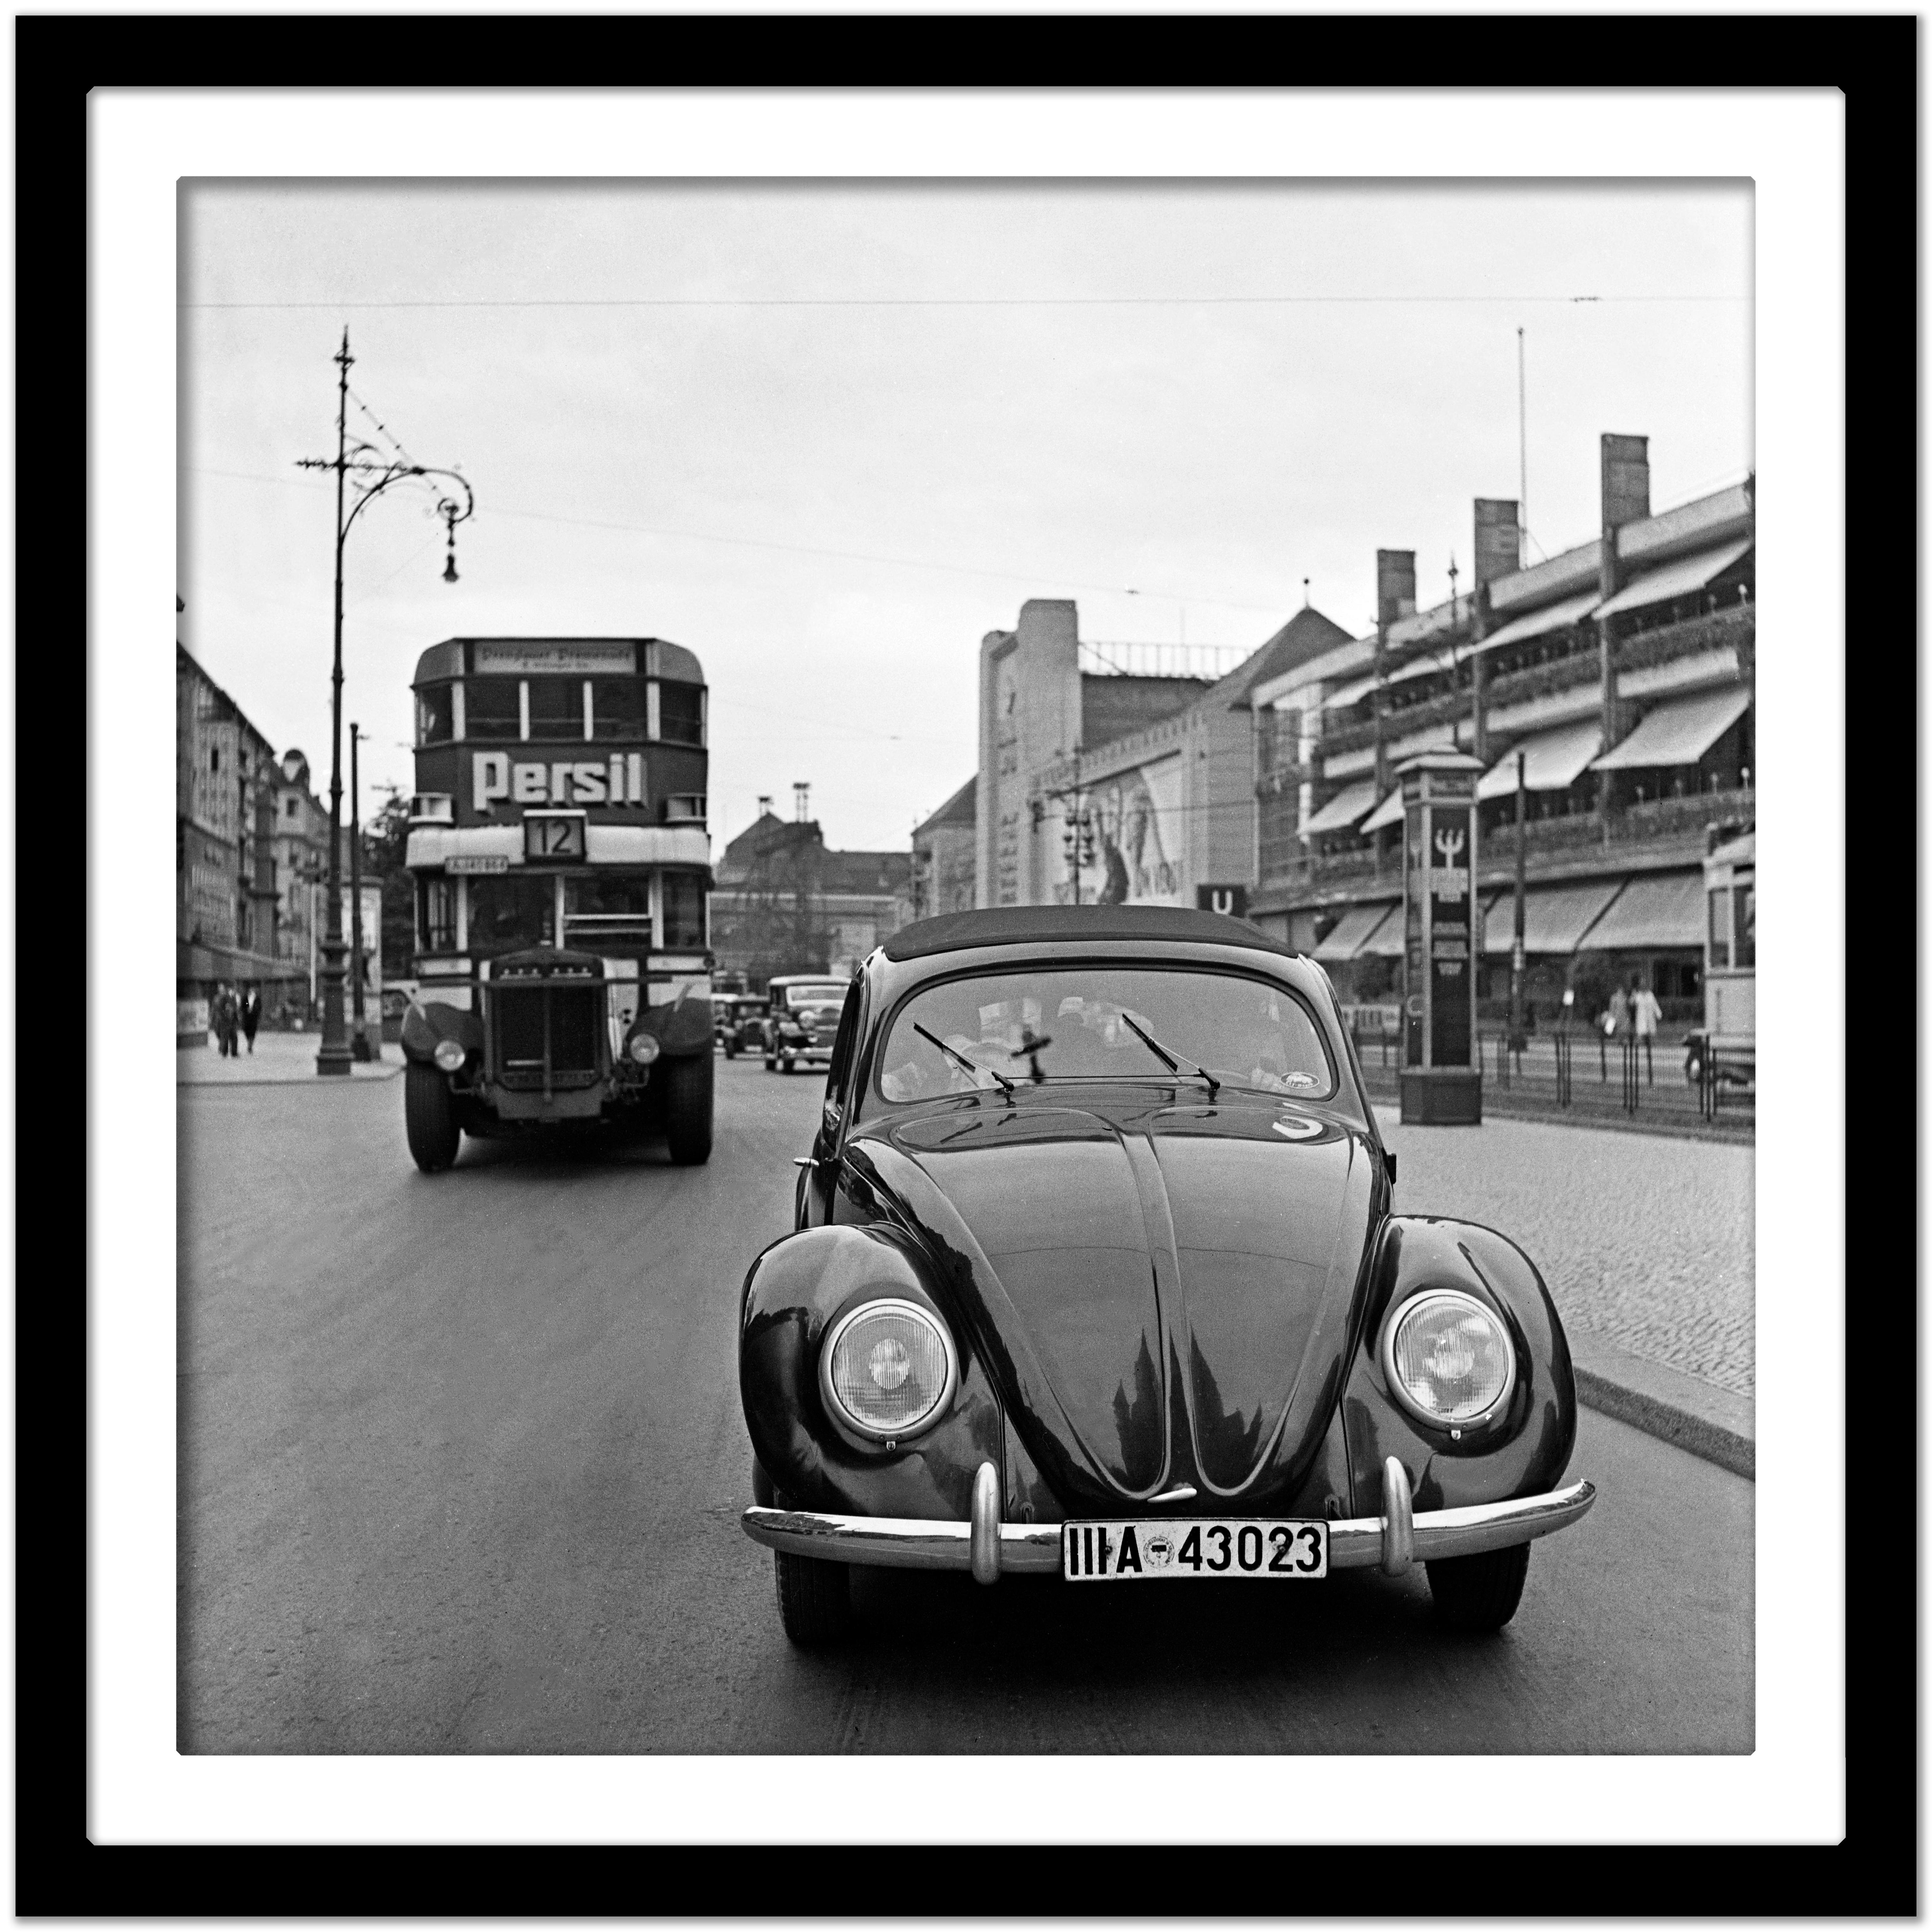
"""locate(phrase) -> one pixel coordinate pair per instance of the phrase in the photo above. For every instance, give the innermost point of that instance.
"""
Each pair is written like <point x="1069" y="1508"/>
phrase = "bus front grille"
<point x="547" y="1026"/>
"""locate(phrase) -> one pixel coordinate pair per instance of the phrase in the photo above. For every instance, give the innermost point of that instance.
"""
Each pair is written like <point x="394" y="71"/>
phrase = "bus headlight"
<point x="450" y="1055"/>
<point x="643" y="1049"/>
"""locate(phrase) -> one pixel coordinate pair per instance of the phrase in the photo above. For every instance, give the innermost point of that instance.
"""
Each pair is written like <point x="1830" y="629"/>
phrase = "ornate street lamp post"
<point x="374" y="473"/>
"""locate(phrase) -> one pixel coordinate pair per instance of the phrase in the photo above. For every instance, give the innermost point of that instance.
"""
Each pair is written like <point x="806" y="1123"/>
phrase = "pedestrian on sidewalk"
<point x="1645" y="1014"/>
<point x="251" y="1014"/>
<point x="224" y="1019"/>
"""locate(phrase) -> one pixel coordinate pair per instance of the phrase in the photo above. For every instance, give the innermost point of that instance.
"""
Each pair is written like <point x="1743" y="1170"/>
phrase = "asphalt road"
<point x="462" y="1463"/>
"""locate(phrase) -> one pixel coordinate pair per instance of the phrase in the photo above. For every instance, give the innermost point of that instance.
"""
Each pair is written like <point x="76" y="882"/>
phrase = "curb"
<point x="1714" y="1423"/>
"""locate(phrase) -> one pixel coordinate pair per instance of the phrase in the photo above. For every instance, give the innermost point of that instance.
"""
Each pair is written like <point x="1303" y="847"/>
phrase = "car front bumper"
<point x="990" y="1549"/>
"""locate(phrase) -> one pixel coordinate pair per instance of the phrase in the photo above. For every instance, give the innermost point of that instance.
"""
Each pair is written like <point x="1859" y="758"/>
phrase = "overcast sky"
<point x="828" y="436"/>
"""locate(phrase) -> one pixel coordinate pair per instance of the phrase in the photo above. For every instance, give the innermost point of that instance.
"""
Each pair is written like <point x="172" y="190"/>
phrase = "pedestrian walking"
<point x="251" y="1015"/>
<point x="225" y="1016"/>
<point x="1616" y="1016"/>
<point x="1645" y="1014"/>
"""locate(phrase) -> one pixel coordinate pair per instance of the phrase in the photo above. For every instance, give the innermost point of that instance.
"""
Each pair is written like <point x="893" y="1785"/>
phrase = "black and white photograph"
<point x="902" y="887"/>
<point x="895" y="895"/>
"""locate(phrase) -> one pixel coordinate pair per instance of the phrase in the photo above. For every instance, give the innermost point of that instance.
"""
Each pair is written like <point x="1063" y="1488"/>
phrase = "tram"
<point x="557" y="839"/>
<point x="1723" y="1052"/>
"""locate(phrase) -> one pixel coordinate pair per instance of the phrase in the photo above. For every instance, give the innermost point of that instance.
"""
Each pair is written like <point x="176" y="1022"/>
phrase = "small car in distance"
<point x="804" y="1015"/>
<point x="741" y="1022"/>
<point x="1095" y="1273"/>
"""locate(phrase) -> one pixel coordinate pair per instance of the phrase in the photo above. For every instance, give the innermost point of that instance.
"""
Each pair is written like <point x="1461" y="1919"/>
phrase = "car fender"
<point x="795" y="1290"/>
<point x="1524" y="1451"/>
<point x="424" y="1025"/>
<point x="681" y="1029"/>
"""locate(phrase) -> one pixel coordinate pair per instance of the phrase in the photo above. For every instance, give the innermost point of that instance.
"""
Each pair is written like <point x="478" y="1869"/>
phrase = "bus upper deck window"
<point x="1721" y="926"/>
<point x="492" y="707"/>
<point x="617" y="709"/>
<point x="436" y="714"/>
<point x="556" y="708"/>
<point x="681" y="713"/>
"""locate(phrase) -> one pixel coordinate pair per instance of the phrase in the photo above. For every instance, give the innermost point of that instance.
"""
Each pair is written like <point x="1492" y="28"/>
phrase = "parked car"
<point x="804" y="1016"/>
<point x="1095" y="1273"/>
<point x="741" y="1023"/>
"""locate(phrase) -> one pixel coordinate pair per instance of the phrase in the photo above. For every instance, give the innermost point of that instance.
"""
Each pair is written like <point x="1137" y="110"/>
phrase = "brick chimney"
<point x="1625" y="489"/>
<point x="1498" y="538"/>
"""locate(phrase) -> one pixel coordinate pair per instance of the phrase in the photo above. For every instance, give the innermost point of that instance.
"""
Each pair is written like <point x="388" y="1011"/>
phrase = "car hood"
<point x="1168" y="1291"/>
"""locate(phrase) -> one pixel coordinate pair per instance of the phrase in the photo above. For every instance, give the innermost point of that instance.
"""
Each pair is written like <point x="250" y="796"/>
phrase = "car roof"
<point x="1033" y="925"/>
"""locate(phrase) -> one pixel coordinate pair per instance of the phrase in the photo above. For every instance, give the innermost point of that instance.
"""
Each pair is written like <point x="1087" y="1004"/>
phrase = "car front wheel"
<point x="1480" y="1592"/>
<point x="429" y="1118"/>
<point x="814" y="1599"/>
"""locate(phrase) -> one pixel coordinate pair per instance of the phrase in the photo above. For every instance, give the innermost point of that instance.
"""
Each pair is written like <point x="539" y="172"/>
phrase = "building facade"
<point x="300" y="854"/>
<point x="782" y="903"/>
<point x="944" y="869"/>
<point x="225" y="897"/>
<point x="1618" y="676"/>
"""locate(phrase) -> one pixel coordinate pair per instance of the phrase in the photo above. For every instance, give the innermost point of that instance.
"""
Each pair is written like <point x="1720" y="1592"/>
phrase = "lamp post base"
<point x="334" y="1057"/>
<point x="1442" y="1097"/>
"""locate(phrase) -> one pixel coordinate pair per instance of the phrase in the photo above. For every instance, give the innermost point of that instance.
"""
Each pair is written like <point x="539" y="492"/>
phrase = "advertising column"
<point x="1442" y="1075"/>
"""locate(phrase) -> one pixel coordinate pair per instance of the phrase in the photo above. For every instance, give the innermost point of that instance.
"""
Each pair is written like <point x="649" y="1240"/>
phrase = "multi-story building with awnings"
<point x="1618" y="676"/>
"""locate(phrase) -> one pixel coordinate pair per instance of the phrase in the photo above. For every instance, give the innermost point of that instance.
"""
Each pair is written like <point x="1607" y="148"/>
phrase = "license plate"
<point x="1204" y="1546"/>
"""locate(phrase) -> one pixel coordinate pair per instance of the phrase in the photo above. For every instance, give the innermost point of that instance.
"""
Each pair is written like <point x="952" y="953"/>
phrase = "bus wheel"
<point x="688" y="1084"/>
<point x="429" y="1118"/>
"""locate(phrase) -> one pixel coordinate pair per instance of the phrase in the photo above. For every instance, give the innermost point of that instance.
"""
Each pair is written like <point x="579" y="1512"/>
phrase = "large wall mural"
<point x="1135" y="854"/>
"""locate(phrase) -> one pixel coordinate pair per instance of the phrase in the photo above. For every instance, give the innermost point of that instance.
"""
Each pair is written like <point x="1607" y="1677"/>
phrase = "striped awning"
<point x="1678" y="733"/>
<point x="1654" y="909"/>
<point x="1670" y="581"/>
<point x="1555" y="919"/>
<point x="1557" y="617"/>
<point x="1353" y="931"/>
<point x="1343" y="809"/>
<point x="1553" y="760"/>
<point x="1389" y="812"/>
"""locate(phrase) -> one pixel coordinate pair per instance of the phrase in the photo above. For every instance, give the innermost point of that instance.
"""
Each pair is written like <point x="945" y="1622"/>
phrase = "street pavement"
<point x="463" y="1462"/>
<point x="1646" y="1240"/>
<point x="276" y="1057"/>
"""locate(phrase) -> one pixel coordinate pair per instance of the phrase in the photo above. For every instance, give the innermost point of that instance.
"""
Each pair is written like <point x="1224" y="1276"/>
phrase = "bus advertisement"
<point x="558" y="843"/>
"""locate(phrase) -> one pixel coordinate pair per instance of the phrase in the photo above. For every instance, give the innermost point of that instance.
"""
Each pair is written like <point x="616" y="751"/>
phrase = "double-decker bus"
<point x="558" y="843"/>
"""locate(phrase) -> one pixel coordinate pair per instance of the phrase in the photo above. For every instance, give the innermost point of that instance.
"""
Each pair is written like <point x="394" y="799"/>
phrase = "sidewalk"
<point x="280" y="1059"/>
<point x="1647" y="1245"/>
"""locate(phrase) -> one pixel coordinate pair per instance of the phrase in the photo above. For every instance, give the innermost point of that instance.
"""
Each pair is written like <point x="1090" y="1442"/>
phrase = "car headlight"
<point x="887" y="1370"/>
<point x="1448" y="1358"/>
<point x="643" y="1049"/>
<point x="450" y="1055"/>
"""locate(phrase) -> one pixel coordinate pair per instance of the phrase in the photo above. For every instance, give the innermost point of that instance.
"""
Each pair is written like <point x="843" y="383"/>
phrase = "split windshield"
<point x="1072" y="1023"/>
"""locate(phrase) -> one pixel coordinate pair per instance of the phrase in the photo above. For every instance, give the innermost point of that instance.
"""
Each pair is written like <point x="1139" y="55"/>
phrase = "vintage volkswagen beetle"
<point x="1062" y="1298"/>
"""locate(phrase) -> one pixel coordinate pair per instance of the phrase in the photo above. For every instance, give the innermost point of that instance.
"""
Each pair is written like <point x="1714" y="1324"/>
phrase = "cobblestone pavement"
<point x="278" y="1057"/>
<point x="1646" y="1241"/>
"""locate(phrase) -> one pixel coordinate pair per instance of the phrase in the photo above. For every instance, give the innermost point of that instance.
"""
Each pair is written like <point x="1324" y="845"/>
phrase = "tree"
<point x="385" y="840"/>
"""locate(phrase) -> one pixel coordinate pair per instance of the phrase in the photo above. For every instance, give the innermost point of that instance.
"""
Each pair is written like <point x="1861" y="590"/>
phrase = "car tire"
<point x="791" y="1067"/>
<point x="730" y="1051"/>
<point x="688" y="1096"/>
<point x="814" y="1599"/>
<point x="1481" y="1592"/>
<point x="771" y="1066"/>
<point x="429" y="1118"/>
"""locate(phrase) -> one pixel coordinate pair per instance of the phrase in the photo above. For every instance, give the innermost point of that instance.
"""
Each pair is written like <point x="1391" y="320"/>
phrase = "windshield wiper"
<point x="1173" y="1065"/>
<point x="1006" y="1085"/>
<point x="1029" y="1049"/>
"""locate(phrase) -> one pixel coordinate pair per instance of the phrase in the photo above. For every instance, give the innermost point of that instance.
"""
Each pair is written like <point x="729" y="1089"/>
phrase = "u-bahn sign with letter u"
<point x="1231" y="900"/>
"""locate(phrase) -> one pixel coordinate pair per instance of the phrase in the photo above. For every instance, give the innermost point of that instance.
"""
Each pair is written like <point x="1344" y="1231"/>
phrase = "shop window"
<point x="1720" y="927"/>
<point x="435" y="716"/>
<point x="436" y="916"/>
<point x="617" y="709"/>
<point x="557" y="707"/>
<point x="508" y="910"/>
<point x="492" y="708"/>
<point x="681" y="714"/>
<point x="683" y="910"/>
